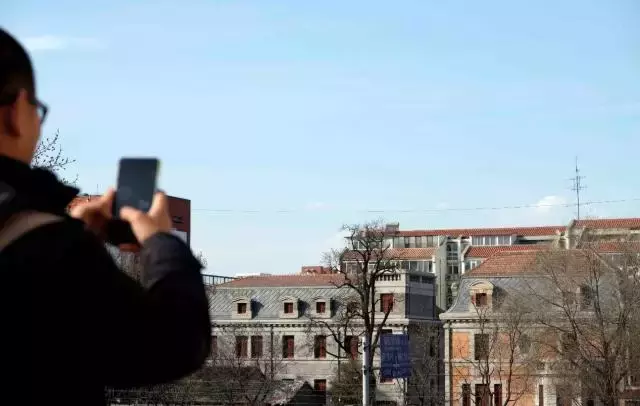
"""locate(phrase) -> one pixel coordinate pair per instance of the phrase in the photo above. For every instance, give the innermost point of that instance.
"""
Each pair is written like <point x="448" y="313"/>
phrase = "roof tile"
<point x="506" y="263"/>
<point x="397" y="253"/>
<point x="467" y="232"/>
<point x="488" y="251"/>
<point x="631" y="222"/>
<point x="285" y="281"/>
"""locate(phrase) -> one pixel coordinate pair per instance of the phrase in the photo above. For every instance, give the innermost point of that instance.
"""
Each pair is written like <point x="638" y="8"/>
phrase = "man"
<point x="72" y="322"/>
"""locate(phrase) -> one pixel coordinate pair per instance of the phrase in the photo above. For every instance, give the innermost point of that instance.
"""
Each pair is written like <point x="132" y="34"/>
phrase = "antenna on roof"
<point x="578" y="187"/>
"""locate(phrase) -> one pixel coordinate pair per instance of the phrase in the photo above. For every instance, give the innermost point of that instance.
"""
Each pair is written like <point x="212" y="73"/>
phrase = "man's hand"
<point x="144" y="225"/>
<point x="95" y="213"/>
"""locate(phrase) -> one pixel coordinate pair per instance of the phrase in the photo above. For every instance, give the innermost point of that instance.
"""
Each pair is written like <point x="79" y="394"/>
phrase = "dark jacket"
<point x="72" y="322"/>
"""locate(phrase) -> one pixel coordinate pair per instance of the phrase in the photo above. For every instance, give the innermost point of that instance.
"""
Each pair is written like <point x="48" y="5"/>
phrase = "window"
<point x="562" y="397"/>
<point x="483" y="395"/>
<point x="352" y="267"/>
<point x="320" y="385"/>
<point x="424" y="241"/>
<point x="569" y="342"/>
<point x="287" y="347"/>
<point x="288" y="307"/>
<point x="569" y="297"/>
<point x="242" y="308"/>
<point x="352" y="307"/>
<point x="466" y="394"/>
<point x="416" y="266"/>
<point x="214" y="346"/>
<point x="386" y="302"/>
<point x="586" y="294"/>
<point x="481" y="343"/>
<point x="472" y="263"/>
<point x="321" y="307"/>
<point x="256" y="346"/>
<point x="320" y="347"/>
<point x="481" y="300"/>
<point x="386" y="331"/>
<point x="452" y="269"/>
<point x="491" y="240"/>
<point x="241" y="346"/>
<point x="497" y="394"/>
<point x="540" y="395"/>
<point x="524" y="343"/>
<point x="351" y="342"/>
<point x="452" y="252"/>
<point x="432" y="346"/>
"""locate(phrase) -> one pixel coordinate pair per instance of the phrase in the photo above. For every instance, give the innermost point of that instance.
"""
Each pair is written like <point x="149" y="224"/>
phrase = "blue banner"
<point x="394" y="356"/>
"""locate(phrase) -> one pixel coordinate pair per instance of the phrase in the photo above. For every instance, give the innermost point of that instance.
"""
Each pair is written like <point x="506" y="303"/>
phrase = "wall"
<point x="180" y="210"/>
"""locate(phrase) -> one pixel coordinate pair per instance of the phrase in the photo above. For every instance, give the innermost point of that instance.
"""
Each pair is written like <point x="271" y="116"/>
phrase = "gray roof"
<point x="503" y="286"/>
<point x="267" y="301"/>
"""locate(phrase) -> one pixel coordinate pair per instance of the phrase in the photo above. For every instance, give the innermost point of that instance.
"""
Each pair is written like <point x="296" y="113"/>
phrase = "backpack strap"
<point x="21" y="223"/>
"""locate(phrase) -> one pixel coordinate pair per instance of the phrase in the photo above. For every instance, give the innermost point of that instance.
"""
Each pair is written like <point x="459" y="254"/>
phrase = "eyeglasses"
<point x="42" y="108"/>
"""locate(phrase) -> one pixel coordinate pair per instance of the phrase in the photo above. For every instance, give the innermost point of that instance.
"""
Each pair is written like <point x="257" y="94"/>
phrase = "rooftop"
<point x="506" y="263"/>
<point x="455" y="232"/>
<point x="630" y="222"/>
<point x="488" y="251"/>
<point x="297" y="280"/>
<point x="396" y="253"/>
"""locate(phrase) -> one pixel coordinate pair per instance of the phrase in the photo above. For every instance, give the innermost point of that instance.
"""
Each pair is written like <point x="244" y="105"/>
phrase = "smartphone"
<point x="137" y="183"/>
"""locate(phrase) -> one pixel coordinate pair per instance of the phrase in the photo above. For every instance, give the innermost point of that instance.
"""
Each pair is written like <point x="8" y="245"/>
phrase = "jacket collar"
<point x="38" y="189"/>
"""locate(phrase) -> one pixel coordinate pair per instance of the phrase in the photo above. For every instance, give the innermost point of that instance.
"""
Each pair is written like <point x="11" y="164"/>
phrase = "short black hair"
<point x="16" y="71"/>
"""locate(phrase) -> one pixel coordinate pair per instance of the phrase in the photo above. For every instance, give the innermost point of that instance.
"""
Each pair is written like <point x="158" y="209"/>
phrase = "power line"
<point x="435" y="210"/>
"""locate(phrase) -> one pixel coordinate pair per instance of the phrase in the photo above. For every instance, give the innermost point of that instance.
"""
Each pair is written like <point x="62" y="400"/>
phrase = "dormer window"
<point x="241" y="308"/>
<point x="320" y="307"/>
<point x="481" y="300"/>
<point x="290" y="307"/>
<point x="481" y="295"/>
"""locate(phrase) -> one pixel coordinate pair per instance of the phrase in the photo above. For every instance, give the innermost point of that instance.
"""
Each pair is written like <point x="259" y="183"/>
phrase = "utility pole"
<point x="365" y="370"/>
<point x="578" y="187"/>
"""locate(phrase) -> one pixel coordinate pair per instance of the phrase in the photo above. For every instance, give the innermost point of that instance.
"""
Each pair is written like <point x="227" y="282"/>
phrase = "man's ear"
<point x="10" y="116"/>
<point x="7" y="125"/>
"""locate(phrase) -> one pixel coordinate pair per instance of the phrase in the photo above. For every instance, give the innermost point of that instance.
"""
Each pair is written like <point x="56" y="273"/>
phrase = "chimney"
<point x="392" y="228"/>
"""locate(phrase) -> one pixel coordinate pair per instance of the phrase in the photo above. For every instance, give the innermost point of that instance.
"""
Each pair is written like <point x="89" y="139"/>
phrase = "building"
<point x="450" y="253"/>
<point x="179" y="208"/>
<point x="276" y="321"/>
<point x="500" y="344"/>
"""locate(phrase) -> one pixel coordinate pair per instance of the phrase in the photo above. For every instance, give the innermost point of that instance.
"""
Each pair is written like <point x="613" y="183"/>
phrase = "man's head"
<point x="20" y="111"/>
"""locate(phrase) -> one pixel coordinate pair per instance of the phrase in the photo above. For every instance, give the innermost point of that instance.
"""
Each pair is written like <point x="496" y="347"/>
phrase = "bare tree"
<point x="591" y="308"/>
<point x="505" y="357"/>
<point x="363" y="312"/>
<point x="49" y="155"/>
<point x="422" y="388"/>
<point x="245" y="363"/>
<point x="346" y="387"/>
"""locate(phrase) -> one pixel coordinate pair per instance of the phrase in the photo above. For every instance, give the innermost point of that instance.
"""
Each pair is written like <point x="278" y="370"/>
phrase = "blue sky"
<point x="330" y="109"/>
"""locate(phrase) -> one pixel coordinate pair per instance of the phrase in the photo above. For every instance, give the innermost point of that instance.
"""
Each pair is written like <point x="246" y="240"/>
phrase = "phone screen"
<point x="137" y="179"/>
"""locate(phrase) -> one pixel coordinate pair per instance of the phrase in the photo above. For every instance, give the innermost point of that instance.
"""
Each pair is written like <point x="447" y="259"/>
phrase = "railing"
<point x="216" y="279"/>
